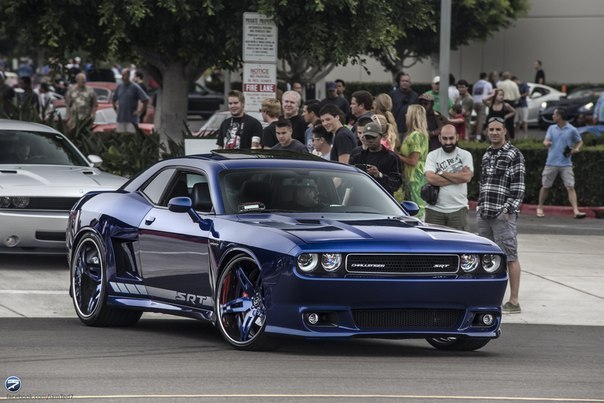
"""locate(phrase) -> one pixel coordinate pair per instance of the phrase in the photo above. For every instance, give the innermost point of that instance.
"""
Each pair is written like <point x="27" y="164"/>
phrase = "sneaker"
<point x="508" y="307"/>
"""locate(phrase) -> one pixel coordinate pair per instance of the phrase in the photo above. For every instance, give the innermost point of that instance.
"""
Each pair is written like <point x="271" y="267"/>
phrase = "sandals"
<point x="580" y="215"/>
<point x="540" y="213"/>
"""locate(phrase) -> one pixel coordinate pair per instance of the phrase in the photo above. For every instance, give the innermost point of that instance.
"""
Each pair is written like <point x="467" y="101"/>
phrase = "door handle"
<point x="149" y="220"/>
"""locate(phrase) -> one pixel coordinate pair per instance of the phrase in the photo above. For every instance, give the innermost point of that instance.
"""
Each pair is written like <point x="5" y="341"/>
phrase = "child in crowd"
<point x="458" y="120"/>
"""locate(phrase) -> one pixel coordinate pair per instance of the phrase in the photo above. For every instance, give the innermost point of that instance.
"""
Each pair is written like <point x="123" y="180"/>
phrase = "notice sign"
<point x="259" y="38"/>
<point x="259" y="83"/>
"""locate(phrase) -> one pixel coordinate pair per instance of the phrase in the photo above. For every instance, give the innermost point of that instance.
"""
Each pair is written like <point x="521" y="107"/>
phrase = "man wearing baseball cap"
<point x="335" y="99"/>
<point x="436" y="94"/>
<point x="382" y="164"/>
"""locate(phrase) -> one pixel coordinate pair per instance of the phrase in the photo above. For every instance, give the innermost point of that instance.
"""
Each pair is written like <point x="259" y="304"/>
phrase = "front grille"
<point x="402" y="264"/>
<point x="51" y="203"/>
<point x="407" y="318"/>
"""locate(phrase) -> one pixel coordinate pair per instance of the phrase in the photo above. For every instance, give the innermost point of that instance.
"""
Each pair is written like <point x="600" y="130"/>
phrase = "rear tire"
<point x="89" y="286"/>
<point x="458" y="343"/>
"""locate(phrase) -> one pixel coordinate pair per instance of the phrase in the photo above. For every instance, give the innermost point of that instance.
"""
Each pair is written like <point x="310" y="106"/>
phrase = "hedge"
<point x="588" y="169"/>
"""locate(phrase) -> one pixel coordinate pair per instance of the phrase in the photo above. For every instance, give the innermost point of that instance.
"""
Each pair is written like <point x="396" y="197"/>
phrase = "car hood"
<point x="55" y="179"/>
<point x="569" y="102"/>
<point x="384" y="230"/>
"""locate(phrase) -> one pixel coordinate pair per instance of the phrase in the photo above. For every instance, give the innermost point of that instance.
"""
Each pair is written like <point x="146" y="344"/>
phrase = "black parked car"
<point x="203" y="101"/>
<point x="579" y="105"/>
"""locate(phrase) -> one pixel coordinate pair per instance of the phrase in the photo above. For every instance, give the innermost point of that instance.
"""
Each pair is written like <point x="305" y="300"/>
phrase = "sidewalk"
<point x="562" y="281"/>
<point x="555" y="211"/>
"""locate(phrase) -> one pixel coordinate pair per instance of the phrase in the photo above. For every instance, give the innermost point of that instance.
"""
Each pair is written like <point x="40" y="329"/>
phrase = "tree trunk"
<point x="171" y="107"/>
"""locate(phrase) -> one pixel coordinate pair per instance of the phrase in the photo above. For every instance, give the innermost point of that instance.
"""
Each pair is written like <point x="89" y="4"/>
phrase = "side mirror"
<point x="180" y="204"/>
<point x="185" y="205"/>
<point x="95" y="160"/>
<point x="410" y="207"/>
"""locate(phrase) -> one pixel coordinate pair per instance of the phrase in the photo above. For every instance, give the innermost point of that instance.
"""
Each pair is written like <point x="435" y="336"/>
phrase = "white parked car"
<point x="539" y="94"/>
<point x="42" y="176"/>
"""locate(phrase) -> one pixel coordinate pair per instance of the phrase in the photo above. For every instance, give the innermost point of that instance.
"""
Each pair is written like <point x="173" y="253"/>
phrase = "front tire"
<point x="89" y="286"/>
<point x="240" y="309"/>
<point x="458" y="343"/>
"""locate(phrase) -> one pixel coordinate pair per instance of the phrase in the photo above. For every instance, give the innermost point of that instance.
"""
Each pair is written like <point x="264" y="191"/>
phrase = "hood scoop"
<point x="88" y="172"/>
<point x="8" y="171"/>
<point x="309" y="222"/>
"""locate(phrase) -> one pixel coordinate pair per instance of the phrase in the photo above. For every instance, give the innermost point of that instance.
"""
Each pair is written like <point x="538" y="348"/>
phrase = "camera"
<point x="362" y="167"/>
<point x="567" y="151"/>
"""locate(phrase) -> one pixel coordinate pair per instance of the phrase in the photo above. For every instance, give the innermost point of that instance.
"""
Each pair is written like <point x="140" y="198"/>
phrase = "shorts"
<point x="550" y="173"/>
<point x="501" y="231"/>
<point x="456" y="219"/>
<point x="125" y="127"/>
<point x="521" y="114"/>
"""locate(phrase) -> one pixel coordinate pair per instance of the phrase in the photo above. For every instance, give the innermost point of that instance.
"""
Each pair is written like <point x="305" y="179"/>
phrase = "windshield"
<point x="304" y="190"/>
<point x="579" y="94"/>
<point x="25" y="147"/>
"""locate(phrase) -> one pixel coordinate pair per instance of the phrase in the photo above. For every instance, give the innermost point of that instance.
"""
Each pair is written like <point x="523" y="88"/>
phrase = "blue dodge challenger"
<point x="266" y="244"/>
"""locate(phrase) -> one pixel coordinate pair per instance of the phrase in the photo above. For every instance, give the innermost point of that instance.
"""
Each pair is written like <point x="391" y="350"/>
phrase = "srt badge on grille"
<point x="441" y="266"/>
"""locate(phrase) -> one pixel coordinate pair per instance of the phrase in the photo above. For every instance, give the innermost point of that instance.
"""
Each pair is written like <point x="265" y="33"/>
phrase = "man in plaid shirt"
<point x="501" y="193"/>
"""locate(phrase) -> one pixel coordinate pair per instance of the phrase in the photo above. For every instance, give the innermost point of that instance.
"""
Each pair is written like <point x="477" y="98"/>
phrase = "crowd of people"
<point x="65" y="85"/>
<point x="407" y="145"/>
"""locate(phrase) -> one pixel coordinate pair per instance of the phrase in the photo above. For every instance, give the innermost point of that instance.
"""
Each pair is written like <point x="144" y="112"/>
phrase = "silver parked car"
<point x="42" y="175"/>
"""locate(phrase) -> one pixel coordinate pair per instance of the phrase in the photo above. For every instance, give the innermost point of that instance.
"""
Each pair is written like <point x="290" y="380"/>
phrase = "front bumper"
<point x="386" y="307"/>
<point x="33" y="232"/>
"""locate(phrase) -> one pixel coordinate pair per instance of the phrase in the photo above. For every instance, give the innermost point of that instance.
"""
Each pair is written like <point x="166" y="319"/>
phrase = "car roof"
<point x="7" y="124"/>
<point x="219" y="160"/>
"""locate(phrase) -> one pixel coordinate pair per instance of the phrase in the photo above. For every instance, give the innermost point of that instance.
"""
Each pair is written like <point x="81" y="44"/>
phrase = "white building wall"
<point x="566" y="35"/>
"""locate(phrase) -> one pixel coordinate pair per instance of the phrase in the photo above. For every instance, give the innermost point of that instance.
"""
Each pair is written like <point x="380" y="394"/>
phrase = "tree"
<point x="176" y="40"/>
<point x="471" y="20"/>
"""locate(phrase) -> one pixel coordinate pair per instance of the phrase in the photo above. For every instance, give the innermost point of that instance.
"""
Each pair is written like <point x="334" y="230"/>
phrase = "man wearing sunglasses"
<point x="382" y="164"/>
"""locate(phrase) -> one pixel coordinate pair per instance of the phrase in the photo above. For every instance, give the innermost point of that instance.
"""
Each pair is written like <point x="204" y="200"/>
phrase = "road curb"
<point x="556" y="211"/>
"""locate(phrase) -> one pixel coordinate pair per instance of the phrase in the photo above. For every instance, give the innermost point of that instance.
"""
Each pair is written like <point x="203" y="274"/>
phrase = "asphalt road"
<point x="186" y="360"/>
<point x="173" y="359"/>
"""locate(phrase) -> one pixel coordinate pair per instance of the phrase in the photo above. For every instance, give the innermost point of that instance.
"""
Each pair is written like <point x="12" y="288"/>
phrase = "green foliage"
<point x="587" y="167"/>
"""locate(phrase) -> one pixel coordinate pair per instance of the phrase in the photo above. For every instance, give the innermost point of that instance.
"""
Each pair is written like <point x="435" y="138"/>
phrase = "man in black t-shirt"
<point x="343" y="139"/>
<point x="285" y="140"/>
<point x="292" y="101"/>
<point x="238" y="130"/>
<point x="382" y="164"/>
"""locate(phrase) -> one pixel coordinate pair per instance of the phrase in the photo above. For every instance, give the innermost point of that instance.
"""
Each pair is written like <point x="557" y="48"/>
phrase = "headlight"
<point x="491" y="263"/>
<point x="16" y="202"/>
<point x="469" y="263"/>
<point x="20" y="202"/>
<point x="331" y="261"/>
<point x="587" y="107"/>
<point x="307" y="262"/>
<point x="543" y="105"/>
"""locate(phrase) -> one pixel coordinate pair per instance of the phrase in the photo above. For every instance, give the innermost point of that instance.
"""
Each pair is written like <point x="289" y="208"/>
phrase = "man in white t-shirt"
<point x="450" y="168"/>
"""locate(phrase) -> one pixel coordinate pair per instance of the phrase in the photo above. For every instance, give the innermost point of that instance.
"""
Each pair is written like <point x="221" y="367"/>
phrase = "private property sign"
<point x="259" y="83"/>
<point x="259" y="38"/>
<point x="260" y="59"/>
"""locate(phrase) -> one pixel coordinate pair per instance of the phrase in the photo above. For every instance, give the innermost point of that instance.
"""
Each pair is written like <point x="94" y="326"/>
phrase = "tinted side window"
<point x="154" y="189"/>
